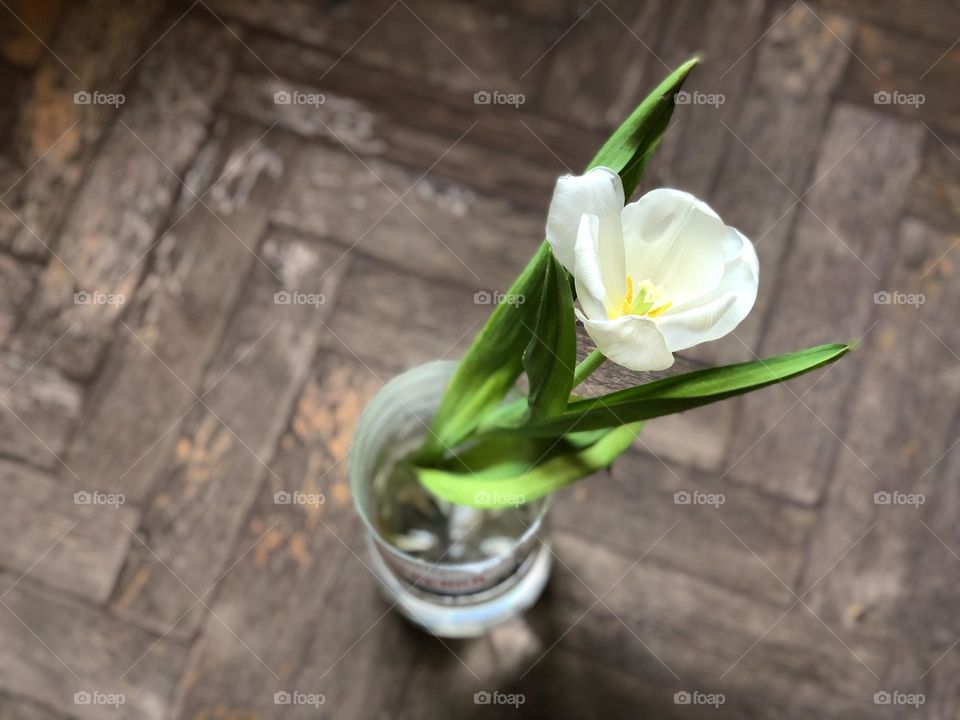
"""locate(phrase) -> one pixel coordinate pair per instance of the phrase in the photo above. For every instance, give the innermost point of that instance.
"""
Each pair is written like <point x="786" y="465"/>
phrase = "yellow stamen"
<point x="642" y="302"/>
<point x="627" y="297"/>
<point x="660" y="310"/>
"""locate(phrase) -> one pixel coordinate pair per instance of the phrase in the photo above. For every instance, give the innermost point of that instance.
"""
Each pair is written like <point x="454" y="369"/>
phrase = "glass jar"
<point x="455" y="571"/>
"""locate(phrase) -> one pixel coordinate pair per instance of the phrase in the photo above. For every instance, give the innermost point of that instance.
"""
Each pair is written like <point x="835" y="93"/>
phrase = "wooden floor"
<point x="155" y="397"/>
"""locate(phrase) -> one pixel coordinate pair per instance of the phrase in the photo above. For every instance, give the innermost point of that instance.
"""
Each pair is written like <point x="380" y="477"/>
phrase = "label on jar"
<point x="457" y="579"/>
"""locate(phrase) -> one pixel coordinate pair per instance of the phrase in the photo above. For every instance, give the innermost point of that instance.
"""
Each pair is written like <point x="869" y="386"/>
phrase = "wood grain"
<point x="378" y="115"/>
<point x="932" y="18"/>
<point x="891" y="62"/>
<point x="690" y="154"/>
<point x="16" y="281"/>
<point x="771" y="157"/>
<point x="701" y="633"/>
<point x="462" y="47"/>
<point x="54" y="647"/>
<point x="300" y="583"/>
<point x="95" y="45"/>
<point x="739" y="541"/>
<point x="223" y="450"/>
<point x="914" y="374"/>
<point x="38" y="411"/>
<point x="580" y="85"/>
<point x="844" y="239"/>
<point x="101" y="249"/>
<point x="164" y="345"/>
<point x="412" y="220"/>
<point x="936" y="193"/>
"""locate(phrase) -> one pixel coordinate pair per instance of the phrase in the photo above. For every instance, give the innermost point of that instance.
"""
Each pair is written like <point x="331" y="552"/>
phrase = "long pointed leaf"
<point x="678" y="393"/>
<point x="552" y="353"/>
<point x="629" y="149"/>
<point x="491" y="365"/>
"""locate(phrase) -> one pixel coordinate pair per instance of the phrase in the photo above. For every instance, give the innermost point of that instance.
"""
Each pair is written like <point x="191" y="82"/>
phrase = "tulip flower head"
<point x="660" y="275"/>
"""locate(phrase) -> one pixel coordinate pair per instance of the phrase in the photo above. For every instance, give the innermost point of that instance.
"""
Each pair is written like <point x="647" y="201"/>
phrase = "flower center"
<point x="648" y="299"/>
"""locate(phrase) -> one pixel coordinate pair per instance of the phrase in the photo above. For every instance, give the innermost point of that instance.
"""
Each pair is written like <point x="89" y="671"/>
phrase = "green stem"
<point x="590" y="363"/>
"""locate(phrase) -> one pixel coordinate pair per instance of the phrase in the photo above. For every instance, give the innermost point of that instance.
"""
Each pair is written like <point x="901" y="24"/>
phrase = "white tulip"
<point x="660" y="275"/>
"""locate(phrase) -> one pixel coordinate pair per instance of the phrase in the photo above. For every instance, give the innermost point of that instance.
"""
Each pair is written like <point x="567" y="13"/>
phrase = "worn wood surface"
<point x="835" y="242"/>
<point x="92" y="49"/>
<point x="142" y="552"/>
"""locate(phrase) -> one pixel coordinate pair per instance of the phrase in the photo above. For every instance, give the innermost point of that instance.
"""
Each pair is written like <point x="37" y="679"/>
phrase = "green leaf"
<point x="501" y="456"/>
<point x="551" y="355"/>
<point x="629" y="149"/>
<point x="493" y="362"/>
<point x="678" y="393"/>
<point x="492" y="479"/>
<point x="491" y="365"/>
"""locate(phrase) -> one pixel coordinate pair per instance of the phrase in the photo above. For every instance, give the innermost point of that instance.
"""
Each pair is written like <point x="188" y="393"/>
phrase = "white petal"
<point x="676" y="241"/>
<point x="718" y="312"/>
<point x="598" y="192"/>
<point x="632" y="341"/>
<point x="586" y="271"/>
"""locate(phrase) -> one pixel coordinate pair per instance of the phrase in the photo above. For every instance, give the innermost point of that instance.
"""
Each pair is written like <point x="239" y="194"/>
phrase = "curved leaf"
<point x="673" y="394"/>
<point x="491" y="365"/>
<point x="493" y="481"/>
